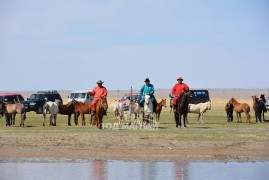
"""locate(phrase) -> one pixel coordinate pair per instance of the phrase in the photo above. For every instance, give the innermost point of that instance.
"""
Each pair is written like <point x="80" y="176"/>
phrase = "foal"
<point x="159" y="108"/>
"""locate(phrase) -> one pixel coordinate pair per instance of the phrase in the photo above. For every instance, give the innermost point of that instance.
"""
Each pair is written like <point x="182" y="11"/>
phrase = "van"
<point x="81" y="96"/>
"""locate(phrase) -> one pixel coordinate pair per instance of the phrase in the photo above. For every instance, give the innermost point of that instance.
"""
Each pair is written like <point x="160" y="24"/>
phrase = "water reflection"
<point x="26" y="169"/>
<point x="99" y="169"/>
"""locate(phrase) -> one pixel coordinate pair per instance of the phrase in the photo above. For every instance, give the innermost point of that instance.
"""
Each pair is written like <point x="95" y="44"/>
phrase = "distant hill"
<point x="221" y="93"/>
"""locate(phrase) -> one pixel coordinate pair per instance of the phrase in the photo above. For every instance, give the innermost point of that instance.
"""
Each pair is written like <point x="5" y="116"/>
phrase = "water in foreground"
<point x="97" y="169"/>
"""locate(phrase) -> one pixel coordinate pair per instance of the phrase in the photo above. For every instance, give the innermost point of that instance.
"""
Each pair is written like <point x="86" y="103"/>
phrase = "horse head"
<point x="164" y="102"/>
<point x="147" y="99"/>
<point x="103" y="103"/>
<point x="232" y="101"/>
<point x="208" y="105"/>
<point x="263" y="98"/>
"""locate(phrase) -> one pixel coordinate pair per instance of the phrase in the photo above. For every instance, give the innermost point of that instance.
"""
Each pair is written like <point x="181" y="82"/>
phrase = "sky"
<point x="70" y="45"/>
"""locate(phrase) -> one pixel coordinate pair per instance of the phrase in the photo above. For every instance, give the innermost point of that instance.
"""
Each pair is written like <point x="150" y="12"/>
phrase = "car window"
<point x="1" y="98"/>
<point x="35" y="96"/>
<point x="10" y="98"/>
<point x="20" y="98"/>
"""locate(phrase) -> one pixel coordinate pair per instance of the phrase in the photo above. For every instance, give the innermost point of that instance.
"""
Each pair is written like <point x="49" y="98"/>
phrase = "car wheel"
<point x="39" y="110"/>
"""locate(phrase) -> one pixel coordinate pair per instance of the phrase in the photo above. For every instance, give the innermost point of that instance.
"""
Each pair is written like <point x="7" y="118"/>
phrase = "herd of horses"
<point x="259" y="108"/>
<point x="53" y="108"/>
<point x="181" y="111"/>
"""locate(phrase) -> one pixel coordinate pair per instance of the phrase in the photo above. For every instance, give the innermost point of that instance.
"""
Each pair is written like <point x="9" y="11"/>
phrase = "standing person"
<point x="178" y="89"/>
<point x="97" y="92"/>
<point x="147" y="88"/>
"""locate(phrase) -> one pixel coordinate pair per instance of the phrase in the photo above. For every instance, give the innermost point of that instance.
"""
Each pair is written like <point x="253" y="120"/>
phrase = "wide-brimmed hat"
<point x="100" y="82"/>
<point x="180" y="78"/>
<point x="147" y="80"/>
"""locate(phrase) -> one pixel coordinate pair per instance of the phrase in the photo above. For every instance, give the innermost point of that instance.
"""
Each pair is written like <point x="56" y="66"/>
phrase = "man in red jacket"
<point x="97" y="92"/>
<point x="178" y="89"/>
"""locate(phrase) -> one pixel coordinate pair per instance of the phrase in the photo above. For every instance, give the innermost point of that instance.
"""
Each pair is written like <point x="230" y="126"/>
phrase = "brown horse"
<point x="80" y="108"/>
<point x="101" y="107"/>
<point x="67" y="109"/>
<point x="159" y="108"/>
<point x="13" y="109"/>
<point x="239" y="108"/>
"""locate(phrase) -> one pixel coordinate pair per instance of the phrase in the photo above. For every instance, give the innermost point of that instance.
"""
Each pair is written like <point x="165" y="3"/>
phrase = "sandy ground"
<point x="122" y="146"/>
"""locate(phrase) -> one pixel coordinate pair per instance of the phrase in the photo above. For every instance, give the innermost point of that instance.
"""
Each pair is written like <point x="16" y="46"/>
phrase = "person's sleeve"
<point x="142" y="90"/>
<point x="152" y="90"/>
<point x="92" y="92"/>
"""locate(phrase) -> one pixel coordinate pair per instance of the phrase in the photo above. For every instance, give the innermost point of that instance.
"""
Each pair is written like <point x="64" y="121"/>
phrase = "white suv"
<point x="81" y="96"/>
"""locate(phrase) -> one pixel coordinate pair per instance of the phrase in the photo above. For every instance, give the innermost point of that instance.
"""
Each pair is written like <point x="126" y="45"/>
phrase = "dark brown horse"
<point x="182" y="108"/>
<point x="239" y="108"/>
<point x="264" y="102"/>
<point x="159" y="108"/>
<point x="101" y="107"/>
<point x="67" y="109"/>
<point x="229" y="108"/>
<point x="80" y="108"/>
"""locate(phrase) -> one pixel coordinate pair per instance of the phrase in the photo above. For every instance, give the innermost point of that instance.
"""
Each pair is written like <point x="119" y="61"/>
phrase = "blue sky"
<point x="71" y="44"/>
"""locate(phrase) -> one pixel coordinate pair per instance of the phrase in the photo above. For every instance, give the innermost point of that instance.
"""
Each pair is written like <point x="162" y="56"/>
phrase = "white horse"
<point x="200" y="109"/>
<point x="135" y="109"/>
<point x="148" y="110"/>
<point x="118" y="110"/>
<point x="52" y="108"/>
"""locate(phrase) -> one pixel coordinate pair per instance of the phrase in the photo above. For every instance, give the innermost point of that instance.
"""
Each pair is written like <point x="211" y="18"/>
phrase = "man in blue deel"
<point x="147" y="88"/>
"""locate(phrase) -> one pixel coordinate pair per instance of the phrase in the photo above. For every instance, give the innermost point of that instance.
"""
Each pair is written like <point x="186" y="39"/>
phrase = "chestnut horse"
<point x="239" y="108"/>
<point x="80" y="108"/>
<point x="182" y="108"/>
<point x="101" y="107"/>
<point x="159" y="108"/>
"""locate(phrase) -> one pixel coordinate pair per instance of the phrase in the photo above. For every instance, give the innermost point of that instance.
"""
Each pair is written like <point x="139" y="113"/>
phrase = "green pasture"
<point x="215" y="128"/>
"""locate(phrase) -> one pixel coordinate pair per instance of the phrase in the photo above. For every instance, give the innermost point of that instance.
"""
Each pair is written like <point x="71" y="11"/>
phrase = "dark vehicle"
<point x="198" y="96"/>
<point x="126" y="98"/>
<point x="36" y="101"/>
<point x="11" y="98"/>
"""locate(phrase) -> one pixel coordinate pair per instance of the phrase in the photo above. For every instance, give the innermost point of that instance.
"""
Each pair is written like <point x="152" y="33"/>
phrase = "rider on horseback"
<point x="97" y="92"/>
<point x="147" y="88"/>
<point x="178" y="89"/>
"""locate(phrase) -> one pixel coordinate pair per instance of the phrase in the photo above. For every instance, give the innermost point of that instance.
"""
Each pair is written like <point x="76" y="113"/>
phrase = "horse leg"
<point x="83" y="119"/>
<point x="14" y="116"/>
<point x="55" y="119"/>
<point x="51" y="123"/>
<point x="176" y="119"/>
<point x="22" y="120"/>
<point x="202" y="117"/>
<point x="77" y="116"/>
<point x="184" y="120"/>
<point x="237" y="117"/>
<point x="44" y="118"/>
<point x="69" y="119"/>
<point x="7" y="120"/>
<point x="198" y="119"/>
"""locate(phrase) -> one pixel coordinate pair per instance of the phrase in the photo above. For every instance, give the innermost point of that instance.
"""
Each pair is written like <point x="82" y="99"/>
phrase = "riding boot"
<point x="93" y="112"/>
